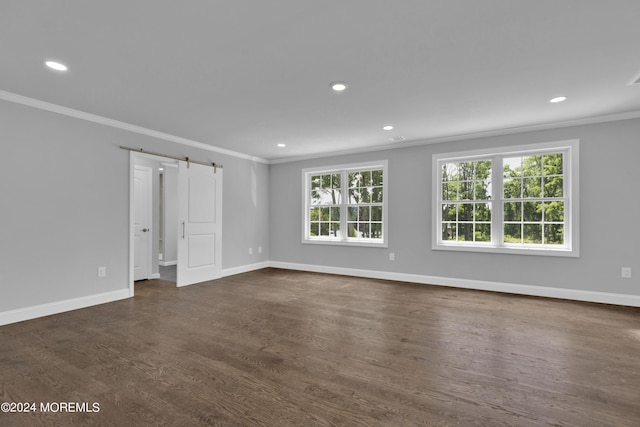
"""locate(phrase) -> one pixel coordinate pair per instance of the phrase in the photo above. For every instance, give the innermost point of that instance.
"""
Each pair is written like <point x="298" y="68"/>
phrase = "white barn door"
<point x="200" y="223"/>
<point x="142" y="223"/>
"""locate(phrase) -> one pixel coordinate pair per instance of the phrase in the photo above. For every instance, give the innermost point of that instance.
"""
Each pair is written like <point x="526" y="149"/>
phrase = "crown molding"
<point x="94" y="118"/>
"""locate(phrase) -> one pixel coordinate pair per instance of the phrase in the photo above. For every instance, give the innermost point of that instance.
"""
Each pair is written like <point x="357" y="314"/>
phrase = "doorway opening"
<point x="155" y="218"/>
<point x="168" y="219"/>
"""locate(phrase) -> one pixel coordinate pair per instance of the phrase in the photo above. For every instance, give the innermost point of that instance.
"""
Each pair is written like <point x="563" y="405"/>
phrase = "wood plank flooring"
<point x="284" y="348"/>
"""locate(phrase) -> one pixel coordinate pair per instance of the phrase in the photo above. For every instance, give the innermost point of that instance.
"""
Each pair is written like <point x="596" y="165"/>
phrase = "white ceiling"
<point x="245" y="75"/>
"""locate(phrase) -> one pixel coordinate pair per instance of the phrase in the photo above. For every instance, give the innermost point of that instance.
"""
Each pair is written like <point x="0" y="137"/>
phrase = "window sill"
<point x="510" y="250"/>
<point x="360" y="243"/>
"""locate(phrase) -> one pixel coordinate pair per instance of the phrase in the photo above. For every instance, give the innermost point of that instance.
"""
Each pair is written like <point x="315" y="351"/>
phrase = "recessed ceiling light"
<point x="281" y="145"/>
<point x="558" y="99"/>
<point x="387" y="127"/>
<point x="338" y="86"/>
<point x="56" y="66"/>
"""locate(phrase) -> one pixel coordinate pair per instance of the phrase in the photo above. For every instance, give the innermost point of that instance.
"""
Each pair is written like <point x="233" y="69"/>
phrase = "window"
<point x="516" y="200"/>
<point x="466" y="201"/>
<point x="346" y="204"/>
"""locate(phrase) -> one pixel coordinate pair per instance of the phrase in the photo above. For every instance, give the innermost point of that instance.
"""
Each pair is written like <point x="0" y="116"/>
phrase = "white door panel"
<point x="202" y="199"/>
<point x="201" y="249"/>
<point x="200" y="212"/>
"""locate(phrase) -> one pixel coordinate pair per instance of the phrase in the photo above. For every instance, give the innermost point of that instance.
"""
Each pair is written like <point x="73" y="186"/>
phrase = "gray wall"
<point x="65" y="206"/>
<point x="609" y="205"/>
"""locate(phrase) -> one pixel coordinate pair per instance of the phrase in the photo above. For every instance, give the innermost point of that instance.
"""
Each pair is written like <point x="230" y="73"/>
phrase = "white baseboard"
<point x="167" y="263"/>
<point x="28" y="313"/>
<point x="540" y="291"/>
<point x="245" y="268"/>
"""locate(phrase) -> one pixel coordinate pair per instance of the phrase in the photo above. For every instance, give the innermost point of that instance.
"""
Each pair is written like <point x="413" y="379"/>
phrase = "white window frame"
<point x="570" y="150"/>
<point x="344" y="240"/>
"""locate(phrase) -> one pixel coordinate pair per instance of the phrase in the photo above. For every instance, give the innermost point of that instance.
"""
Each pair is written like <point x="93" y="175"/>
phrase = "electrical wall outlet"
<point x="102" y="271"/>
<point x="626" y="272"/>
<point x="250" y="251"/>
<point x="259" y="249"/>
<point x="392" y="256"/>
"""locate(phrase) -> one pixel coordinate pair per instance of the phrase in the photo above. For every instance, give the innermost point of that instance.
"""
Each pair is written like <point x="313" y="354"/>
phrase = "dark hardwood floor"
<point x="284" y="348"/>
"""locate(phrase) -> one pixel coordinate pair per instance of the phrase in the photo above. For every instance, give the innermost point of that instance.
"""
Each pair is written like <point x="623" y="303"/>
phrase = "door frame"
<point x="133" y="156"/>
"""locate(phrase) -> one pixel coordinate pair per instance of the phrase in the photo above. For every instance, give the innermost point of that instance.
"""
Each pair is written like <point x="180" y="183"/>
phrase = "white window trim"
<point x="344" y="169"/>
<point x="571" y="191"/>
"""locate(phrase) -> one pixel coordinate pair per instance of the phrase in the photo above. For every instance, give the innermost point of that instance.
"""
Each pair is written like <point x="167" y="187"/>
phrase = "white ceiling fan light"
<point x="55" y="65"/>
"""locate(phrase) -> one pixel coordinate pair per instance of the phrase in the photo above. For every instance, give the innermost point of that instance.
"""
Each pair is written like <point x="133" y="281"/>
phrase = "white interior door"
<point x="142" y="211"/>
<point x="200" y="223"/>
